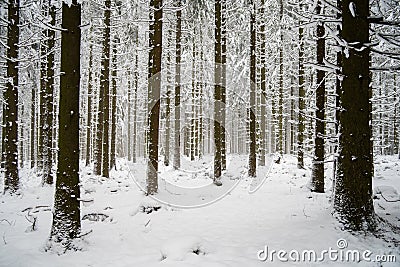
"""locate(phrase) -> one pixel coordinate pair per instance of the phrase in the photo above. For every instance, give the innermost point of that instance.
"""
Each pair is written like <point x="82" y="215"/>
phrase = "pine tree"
<point x="223" y="82"/>
<point x="10" y="104"/>
<point x="263" y="86"/>
<point x="102" y="136"/>
<point x="168" y="99"/>
<point x="252" y="110"/>
<point x="154" y="87"/>
<point x="218" y="93"/>
<point x="319" y="153"/>
<point x="280" y="97"/>
<point x="177" y="126"/>
<point x="105" y="86"/>
<point x="353" y="193"/>
<point x="114" y="103"/>
<point x="48" y="122"/>
<point x="89" y="103"/>
<point x="66" y="218"/>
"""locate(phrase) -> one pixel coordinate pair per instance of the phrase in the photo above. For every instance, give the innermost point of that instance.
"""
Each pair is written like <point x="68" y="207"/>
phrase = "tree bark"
<point x="177" y="126"/>
<point x="319" y="138"/>
<point x="263" y="86"/>
<point x="114" y="104"/>
<point x="10" y="104"/>
<point x="105" y="86"/>
<point x="66" y="216"/>
<point x="223" y="82"/>
<point x="168" y="100"/>
<point x="302" y="94"/>
<point x="218" y="94"/>
<point x="49" y="98"/>
<point x="252" y="110"/>
<point x="89" y="106"/>
<point x="353" y="194"/>
<point x="154" y="88"/>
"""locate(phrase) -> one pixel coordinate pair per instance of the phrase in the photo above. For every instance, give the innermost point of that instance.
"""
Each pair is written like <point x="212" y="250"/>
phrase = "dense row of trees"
<point x="315" y="79"/>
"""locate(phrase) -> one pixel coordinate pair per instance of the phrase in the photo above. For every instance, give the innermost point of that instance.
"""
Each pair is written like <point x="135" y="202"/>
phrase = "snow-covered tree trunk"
<point x="102" y="135"/>
<point x="218" y="93"/>
<point x="223" y="82"/>
<point x="105" y="87"/>
<point x="280" y="97"/>
<point x="263" y="86"/>
<point x="66" y="216"/>
<point x="47" y="130"/>
<point x="168" y="99"/>
<point x="177" y="126"/>
<point x="136" y="84"/>
<point x="129" y="115"/>
<point x="114" y="103"/>
<point x="33" y="129"/>
<point x="10" y="104"/>
<point x="154" y="88"/>
<point x="89" y="103"/>
<point x="301" y="102"/>
<point x="353" y="193"/>
<point x="193" y="103"/>
<point x="319" y="137"/>
<point x="252" y="109"/>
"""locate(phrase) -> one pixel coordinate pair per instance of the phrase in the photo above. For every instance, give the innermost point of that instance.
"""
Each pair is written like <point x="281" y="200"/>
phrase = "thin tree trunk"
<point x="177" y="127"/>
<point x="48" y="126"/>
<point x="114" y="104"/>
<point x="263" y="87"/>
<point x="319" y="153"/>
<point x="302" y="94"/>
<point x="193" y="108"/>
<point x="252" y="110"/>
<point x="89" y="106"/>
<point x="223" y="82"/>
<point x="103" y="130"/>
<point x="337" y="92"/>
<point x="395" y="119"/>
<point x="201" y="118"/>
<point x="280" y="99"/>
<point x="168" y="98"/>
<point x="134" y="145"/>
<point x="218" y="94"/>
<point x="136" y="85"/>
<point x="42" y="144"/>
<point x="154" y="87"/>
<point x="129" y="122"/>
<point x="33" y="126"/>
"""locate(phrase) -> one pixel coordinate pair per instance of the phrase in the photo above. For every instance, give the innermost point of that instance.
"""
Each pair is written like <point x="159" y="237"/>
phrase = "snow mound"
<point x="179" y="248"/>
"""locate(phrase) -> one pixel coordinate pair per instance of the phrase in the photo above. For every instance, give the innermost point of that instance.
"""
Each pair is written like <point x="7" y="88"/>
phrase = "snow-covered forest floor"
<point x="282" y="214"/>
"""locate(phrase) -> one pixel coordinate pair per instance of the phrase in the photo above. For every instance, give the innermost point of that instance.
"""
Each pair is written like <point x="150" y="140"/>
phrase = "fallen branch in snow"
<point x="33" y="221"/>
<point x="388" y="200"/>
<point x="37" y="208"/>
<point x="97" y="217"/>
<point x="85" y="234"/>
<point x="5" y="220"/>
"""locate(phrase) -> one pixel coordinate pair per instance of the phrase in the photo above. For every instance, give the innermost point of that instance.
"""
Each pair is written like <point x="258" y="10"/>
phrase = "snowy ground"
<point x="283" y="215"/>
